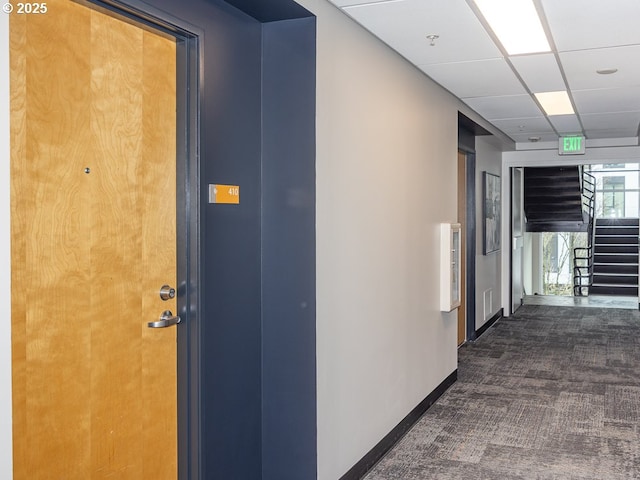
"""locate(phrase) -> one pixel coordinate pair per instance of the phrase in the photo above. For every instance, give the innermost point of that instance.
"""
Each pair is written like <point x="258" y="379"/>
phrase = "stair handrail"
<point x="583" y="256"/>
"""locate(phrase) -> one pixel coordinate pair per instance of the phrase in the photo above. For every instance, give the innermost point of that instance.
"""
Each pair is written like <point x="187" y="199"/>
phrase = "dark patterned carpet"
<point x="550" y="393"/>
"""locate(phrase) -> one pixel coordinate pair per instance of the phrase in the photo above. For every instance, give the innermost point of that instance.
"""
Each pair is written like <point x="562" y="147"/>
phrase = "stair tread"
<point x="611" y="253"/>
<point x="628" y="245"/>
<point x="615" y="274"/>
<point x="611" y="264"/>
<point x="612" y="228"/>
<point x="635" y="244"/>
<point x="623" y="281"/>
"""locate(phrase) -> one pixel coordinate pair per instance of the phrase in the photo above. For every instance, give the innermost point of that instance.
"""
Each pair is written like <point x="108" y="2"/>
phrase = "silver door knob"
<point x="167" y="292"/>
<point x="166" y="320"/>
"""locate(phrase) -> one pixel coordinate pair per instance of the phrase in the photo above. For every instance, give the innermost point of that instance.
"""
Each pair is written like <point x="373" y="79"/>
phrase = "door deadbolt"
<point x="167" y="293"/>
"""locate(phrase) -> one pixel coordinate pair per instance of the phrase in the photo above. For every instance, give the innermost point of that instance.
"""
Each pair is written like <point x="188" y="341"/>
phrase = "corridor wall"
<point x="386" y="150"/>
<point x="488" y="267"/>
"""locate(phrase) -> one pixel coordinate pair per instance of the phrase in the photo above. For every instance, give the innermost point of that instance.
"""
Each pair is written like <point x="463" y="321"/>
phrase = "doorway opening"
<point x="594" y="260"/>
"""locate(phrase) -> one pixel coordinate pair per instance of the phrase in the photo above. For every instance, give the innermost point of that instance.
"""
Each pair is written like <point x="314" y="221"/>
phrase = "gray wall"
<point x="488" y="267"/>
<point x="386" y="165"/>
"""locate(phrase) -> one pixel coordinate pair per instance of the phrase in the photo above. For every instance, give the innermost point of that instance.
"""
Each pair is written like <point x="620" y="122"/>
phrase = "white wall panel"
<point x="6" y="465"/>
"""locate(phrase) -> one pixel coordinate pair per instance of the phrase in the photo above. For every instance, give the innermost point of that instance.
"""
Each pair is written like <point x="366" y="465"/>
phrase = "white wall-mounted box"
<point x="450" y="258"/>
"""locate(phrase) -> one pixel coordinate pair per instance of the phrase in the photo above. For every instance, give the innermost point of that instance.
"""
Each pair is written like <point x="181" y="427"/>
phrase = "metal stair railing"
<point x="583" y="256"/>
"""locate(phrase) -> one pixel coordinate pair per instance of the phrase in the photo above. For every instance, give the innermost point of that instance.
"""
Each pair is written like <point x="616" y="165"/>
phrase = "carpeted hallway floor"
<point x="550" y="393"/>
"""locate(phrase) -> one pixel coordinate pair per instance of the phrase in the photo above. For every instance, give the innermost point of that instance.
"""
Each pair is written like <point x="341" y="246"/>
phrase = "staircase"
<point x="553" y="200"/>
<point x="615" y="257"/>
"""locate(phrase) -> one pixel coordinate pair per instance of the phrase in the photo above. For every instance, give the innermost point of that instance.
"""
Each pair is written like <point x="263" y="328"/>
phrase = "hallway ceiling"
<point x="585" y="35"/>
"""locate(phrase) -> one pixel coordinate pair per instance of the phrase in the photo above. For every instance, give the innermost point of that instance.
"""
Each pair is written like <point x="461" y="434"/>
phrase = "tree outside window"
<point x="557" y="261"/>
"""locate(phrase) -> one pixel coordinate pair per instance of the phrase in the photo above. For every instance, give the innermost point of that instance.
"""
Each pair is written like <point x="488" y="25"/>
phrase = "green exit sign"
<point x="572" y="145"/>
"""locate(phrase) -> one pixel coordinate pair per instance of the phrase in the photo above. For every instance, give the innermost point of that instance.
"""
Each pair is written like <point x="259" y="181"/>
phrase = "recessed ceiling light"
<point x="516" y="24"/>
<point x="555" y="103"/>
<point x="606" y="71"/>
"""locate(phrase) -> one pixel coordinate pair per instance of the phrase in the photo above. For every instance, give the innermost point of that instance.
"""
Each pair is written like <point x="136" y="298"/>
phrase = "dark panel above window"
<point x="468" y="130"/>
<point x="271" y="10"/>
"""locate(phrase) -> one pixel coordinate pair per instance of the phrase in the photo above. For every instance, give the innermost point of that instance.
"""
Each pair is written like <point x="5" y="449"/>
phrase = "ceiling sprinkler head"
<point x="534" y="139"/>
<point x="433" y="39"/>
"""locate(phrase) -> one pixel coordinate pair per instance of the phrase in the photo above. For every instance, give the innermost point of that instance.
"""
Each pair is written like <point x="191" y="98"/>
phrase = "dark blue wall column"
<point x="230" y="248"/>
<point x="256" y="289"/>
<point x="288" y="251"/>
<point x="229" y="243"/>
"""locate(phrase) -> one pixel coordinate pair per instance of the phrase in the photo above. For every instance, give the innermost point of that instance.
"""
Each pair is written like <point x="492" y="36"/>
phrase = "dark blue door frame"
<point x="471" y="246"/>
<point x="467" y="145"/>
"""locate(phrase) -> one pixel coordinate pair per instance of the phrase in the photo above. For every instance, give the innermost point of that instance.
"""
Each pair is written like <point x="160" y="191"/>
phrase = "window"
<point x="613" y="196"/>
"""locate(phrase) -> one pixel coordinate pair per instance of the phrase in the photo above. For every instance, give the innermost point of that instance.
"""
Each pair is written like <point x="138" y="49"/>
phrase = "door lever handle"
<point x="166" y="320"/>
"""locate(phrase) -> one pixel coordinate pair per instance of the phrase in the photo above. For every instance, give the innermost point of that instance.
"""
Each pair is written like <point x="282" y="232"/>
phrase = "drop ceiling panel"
<point x="580" y="24"/>
<point x="404" y="26"/>
<point x="589" y="34"/>
<point x="566" y="124"/>
<point x="524" y="125"/>
<point x="580" y="67"/>
<point x="491" y="78"/>
<point x="607" y="100"/>
<point x="496" y="108"/>
<point x="539" y="72"/>
<point x="626" y="133"/>
<point x="618" y="121"/>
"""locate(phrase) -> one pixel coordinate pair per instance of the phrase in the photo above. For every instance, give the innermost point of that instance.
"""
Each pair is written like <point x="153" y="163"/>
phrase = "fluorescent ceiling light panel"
<point x="516" y="24"/>
<point x="555" y="103"/>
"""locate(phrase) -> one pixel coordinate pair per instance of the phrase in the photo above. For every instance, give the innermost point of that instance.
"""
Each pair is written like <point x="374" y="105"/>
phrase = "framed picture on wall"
<point x="491" y="213"/>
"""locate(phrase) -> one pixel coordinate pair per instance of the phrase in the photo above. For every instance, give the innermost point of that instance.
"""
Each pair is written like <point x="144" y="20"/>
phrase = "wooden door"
<point x="93" y="225"/>
<point x="462" y="216"/>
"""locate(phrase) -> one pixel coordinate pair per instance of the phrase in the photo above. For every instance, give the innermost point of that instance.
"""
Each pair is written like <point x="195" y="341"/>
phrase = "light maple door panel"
<point x="462" y="219"/>
<point x="93" y="240"/>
